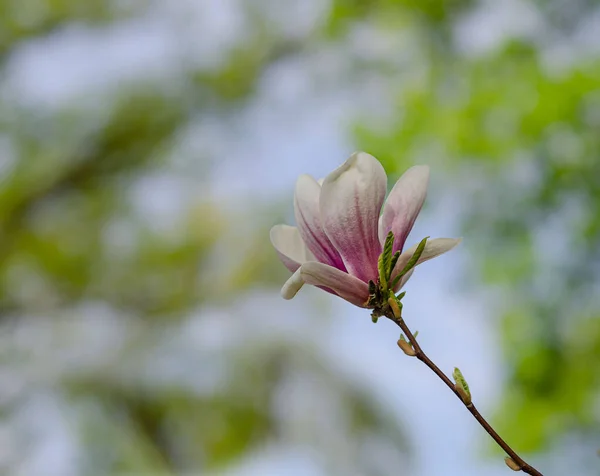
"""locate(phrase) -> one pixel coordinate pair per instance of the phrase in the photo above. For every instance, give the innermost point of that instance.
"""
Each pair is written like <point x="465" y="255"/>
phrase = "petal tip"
<point x="304" y="177"/>
<point x="292" y="285"/>
<point x="273" y="233"/>
<point x="457" y="241"/>
<point x="358" y="159"/>
<point x="419" y="173"/>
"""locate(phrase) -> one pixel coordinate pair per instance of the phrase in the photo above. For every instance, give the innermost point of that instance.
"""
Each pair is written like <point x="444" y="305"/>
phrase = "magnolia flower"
<point x="340" y="232"/>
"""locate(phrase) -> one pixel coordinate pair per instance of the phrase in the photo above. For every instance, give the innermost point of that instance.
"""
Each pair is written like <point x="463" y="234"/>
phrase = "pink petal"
<point x="289" y="246"/>
<point x="343" y="284"/>
<point x="403" y="205"/>
<point x="351" y="199"/>
<point x="308" y="218"/>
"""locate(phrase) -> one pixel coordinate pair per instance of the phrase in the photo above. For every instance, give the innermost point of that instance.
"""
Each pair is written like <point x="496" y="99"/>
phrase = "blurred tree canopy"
<point x="520" y="133"/>
<point x="97" y="298"/>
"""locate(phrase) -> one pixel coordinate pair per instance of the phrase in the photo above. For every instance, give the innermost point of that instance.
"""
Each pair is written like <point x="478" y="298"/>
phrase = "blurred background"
<point x="146" y="148"/>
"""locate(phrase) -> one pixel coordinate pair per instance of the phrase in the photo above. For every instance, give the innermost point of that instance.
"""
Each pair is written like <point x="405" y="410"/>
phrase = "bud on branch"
<point x="461" y="386"/>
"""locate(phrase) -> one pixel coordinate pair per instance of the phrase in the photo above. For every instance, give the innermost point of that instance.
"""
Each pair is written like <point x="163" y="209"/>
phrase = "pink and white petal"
<point x="289" y="246"/>
<point x="308" y="218"/>
<point x="433" y="248"/>
<point x="404" y="204"/>
<point x="343" y="284"/>
<point x="351" y="199"/>
<point x="292" y="285"/>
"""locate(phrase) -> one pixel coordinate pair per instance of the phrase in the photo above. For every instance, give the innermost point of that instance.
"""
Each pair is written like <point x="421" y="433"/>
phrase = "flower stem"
<point x="419" y="354"/>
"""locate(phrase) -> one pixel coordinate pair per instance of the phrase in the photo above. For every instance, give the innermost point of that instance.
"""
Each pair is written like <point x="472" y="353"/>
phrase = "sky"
<point x="290" y="129"/>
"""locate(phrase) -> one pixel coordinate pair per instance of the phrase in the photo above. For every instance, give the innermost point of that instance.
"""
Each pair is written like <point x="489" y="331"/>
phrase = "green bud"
<point x="405" y="346"/>
<point x="461" y="386"/>
<point x="395" y="306"/>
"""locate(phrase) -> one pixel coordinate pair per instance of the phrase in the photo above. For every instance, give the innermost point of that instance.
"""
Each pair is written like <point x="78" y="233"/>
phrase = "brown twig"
<point x="520" y="464"/>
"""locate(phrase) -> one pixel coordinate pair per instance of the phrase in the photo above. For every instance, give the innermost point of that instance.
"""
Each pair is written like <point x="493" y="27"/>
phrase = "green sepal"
<point x="393" y="262"/>
<point x="381" y="269"/>
<point x="411" y="262"/>
<point x="384" y="262"/>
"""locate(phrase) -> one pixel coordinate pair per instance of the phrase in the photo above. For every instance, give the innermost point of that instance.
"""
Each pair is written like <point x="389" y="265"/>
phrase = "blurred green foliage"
<point x="110" y="289"/>
<point x="433" y="14"/>
<point x="23" y="20"/>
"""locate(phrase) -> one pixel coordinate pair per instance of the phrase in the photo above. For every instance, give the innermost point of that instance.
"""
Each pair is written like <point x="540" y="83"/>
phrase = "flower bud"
<point x="461" y="386"/>
<point x="394" y="306"/>
<point x="512" y="464"/>
<point x="406" y="347"/>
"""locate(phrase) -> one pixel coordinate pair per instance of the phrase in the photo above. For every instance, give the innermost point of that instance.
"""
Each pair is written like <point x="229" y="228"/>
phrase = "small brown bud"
<point x="512" y="464"/>
<point x="394" y="307"/>
<point x="406" y="347"/>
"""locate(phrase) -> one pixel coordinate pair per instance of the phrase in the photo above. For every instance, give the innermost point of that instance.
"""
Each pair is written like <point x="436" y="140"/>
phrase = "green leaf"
<point x="385" y="260"/>
<point x="411" y="262"/>
<point x="393" y="262"/>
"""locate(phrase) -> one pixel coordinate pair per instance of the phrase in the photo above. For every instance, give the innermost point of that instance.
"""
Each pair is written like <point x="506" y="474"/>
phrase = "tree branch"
<point x="520" y="464"/>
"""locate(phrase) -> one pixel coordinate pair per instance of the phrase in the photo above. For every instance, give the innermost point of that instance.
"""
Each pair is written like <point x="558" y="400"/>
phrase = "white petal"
<point x="404" y="204"/>
<point x="345" y="285"/>
<point x="292" y="285"/>
<point x="289" y="246"/>
<point x="351" y="199"/>
<point x="433" y="248"/>
<point x="308" y="218"/>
